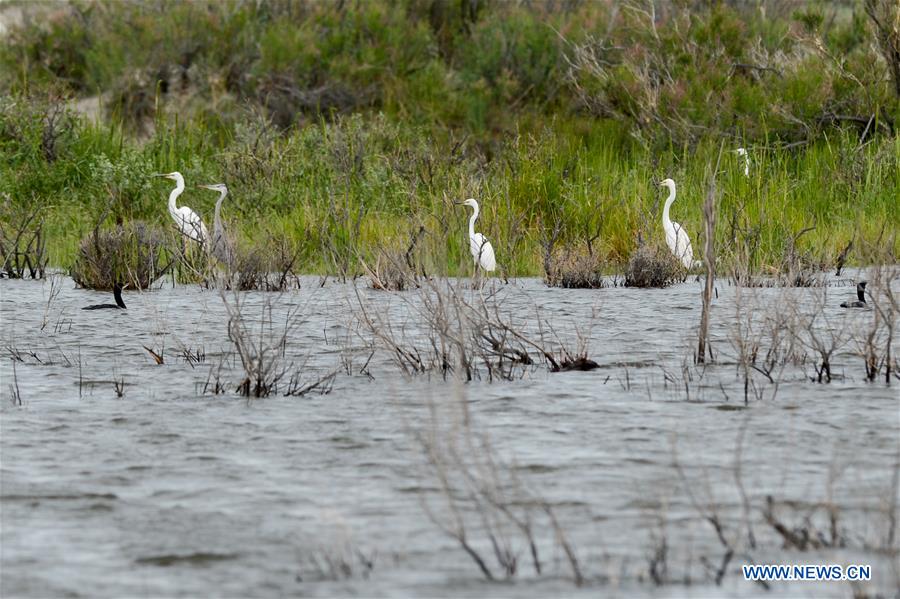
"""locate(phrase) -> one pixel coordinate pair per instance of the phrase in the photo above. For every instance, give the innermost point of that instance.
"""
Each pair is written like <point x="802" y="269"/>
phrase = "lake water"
<point x="170" y="490"/>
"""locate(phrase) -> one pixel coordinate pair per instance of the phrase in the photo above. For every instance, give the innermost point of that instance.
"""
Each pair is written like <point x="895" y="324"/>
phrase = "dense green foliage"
<point x="345" y="127"/>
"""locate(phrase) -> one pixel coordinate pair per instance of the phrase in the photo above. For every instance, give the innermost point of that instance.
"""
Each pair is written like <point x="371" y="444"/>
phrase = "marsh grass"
<point x="341" y="561"/>
<point x="334" y="219"/>
<point x="540" y="113"/>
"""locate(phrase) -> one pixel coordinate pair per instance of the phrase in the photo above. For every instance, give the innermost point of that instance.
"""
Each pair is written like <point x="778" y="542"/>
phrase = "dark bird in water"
<point x="119" y="305"/>
<point x="861" y="294"/>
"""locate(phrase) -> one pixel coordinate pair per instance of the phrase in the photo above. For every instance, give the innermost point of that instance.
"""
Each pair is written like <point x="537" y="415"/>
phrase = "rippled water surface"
<point x="170" y="490"/>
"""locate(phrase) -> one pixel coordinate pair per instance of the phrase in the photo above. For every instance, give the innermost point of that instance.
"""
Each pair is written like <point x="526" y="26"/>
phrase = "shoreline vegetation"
<point x="346" y="131"/>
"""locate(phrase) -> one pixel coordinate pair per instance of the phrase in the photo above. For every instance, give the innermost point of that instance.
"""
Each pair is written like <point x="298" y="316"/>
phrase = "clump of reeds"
<point x="390" y="272"/>
<point x="266" y="264"/>
<point x="799" y="268"/>
<point x="467" y="334"/>
<point x="271" y="269"/>
<point x="261" y="354"/>
<point x="343" y="561"/>
<point x="261" y="348"/>
<point x="574" y="268"/>
<point x="485" y="503"/>
<point x="134" y="253"/>
<point x="653" y="265"/>
<point x="795" y="267"/>
<point x="22" y="243"/>
<point x="394" y="269"/>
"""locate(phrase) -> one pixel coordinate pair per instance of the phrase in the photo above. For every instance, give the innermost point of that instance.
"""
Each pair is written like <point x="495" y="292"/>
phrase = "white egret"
<point x="221" y="247"/>
<point x="861" y="298"/>
<point x="481" y="248"/>
<point x="117" y="294"/>
<point x="743" y="152"/>
<point x="188" y="222"/>
<point x="676" y="237"/>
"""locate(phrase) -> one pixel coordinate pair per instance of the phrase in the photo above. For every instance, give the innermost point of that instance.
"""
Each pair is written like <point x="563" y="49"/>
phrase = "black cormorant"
<point x="861" y="294"/>
<point x="119" y="305"/>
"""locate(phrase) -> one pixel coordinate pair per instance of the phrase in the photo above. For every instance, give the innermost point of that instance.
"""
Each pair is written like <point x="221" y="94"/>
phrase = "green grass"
<point x="345" y="132"/>
<point x="312" y="185"/>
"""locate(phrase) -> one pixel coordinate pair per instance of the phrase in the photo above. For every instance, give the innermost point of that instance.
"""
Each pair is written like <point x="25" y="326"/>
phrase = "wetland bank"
<point x="628" y="424"/>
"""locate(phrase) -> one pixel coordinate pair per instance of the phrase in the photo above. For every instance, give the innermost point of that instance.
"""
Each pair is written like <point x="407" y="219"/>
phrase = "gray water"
<point x="170" y="491"/>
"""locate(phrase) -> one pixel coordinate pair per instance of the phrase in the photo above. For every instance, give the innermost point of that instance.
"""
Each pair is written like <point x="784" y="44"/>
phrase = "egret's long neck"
<point x="472" y="220"/>
<point x="669" y="201"/>
<point x="179" y="187"/>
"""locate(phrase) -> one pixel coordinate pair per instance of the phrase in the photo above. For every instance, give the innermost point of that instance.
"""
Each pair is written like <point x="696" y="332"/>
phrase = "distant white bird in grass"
<point x="221" y="247"/>
<point x="676" y="237"/>
<point x="743" y="152"/>
<point x="188" y="222"/>
<point x="481" y="248"/>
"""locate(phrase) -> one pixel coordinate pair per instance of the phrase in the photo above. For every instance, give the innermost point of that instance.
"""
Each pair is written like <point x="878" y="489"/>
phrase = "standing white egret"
<point x="743" y="152"/>
<point x="481" y="248"/>
<point x="676" y="237"/>
<point x="188" y="222"/>
<point x="221" y="247"/>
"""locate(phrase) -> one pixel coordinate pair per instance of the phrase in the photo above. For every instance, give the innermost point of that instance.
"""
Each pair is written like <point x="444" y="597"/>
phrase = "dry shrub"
<point x="22" y="243"/>
<point x="133" y="253"/>
<point x="267" y="265"/>
<point x="885" y="16"/>
<point x="285" y="98"/>
<point x="469" y="334"/>
<point x="391" y="272"/>
<point x="574" y="268"/>
<point x="653" y="265"/>
<point x="800" y="268"/>
<point x="483" y="503"/>
<point x="261" y="346"/>
<point x="395" y="269"/>
<point x="797" y="267"/>
<point x="262" y="352"/>
<point x="133" y="99"/>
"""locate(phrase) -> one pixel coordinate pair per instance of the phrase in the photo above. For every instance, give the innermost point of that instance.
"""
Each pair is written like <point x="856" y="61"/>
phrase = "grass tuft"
<point x="653" y="265"/>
